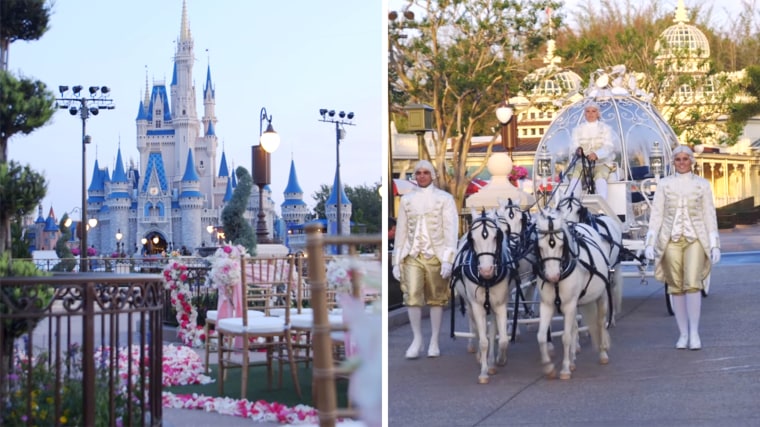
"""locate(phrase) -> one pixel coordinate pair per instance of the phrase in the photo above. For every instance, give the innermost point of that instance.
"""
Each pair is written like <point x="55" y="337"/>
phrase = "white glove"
<point x="715" y="255"/>
<point x="649" y="252"/>
<point x="397" y="272"/>
<point x="446" y="270"/>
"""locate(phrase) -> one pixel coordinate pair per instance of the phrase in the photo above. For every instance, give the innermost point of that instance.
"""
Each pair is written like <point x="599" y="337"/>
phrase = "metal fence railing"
<point x="81" y="349"/>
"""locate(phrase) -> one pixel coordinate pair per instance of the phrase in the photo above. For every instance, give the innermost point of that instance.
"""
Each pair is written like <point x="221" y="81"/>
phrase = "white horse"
<point x="612" y="240"/>
<point x="481" y="272"/>
<point x="519" y="231"/>
<point x="573" y="270"/>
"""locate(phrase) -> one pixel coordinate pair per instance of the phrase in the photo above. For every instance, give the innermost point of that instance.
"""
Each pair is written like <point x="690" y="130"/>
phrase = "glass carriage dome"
<point x="642" y="137"/>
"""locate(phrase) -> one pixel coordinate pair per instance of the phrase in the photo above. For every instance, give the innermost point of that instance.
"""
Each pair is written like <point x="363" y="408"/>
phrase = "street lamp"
<point x="419" y="121"/>
<point x="343" y="119"/>
<point x="505" y="113"/>
<point x="119" y="245"/>
<point x="84" y="105"/>
<point x="269" y="140"/>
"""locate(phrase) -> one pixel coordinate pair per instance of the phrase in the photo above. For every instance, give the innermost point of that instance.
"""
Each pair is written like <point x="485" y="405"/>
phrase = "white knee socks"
<point x="693" y="310"/>
<point x="436" y="316"/>
<point x="682" y="320"/>
<point x="415" y="320"/>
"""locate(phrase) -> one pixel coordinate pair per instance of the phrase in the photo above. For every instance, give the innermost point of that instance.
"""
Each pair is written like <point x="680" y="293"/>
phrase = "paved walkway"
<point x="647" y="382"/>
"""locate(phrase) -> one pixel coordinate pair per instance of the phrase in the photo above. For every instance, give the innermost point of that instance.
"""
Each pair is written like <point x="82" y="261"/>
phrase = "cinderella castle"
<point x="175" y="195"/>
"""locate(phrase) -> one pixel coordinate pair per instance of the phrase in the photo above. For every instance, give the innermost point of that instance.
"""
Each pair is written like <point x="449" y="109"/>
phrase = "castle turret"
<point x="191" y="203"/>
<point x="294" y="209"/>
<point x="331" y="209"/>
<point x="118" y="203"/>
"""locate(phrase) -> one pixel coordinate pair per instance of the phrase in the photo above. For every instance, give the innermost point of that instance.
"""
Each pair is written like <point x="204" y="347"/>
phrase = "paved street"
<point x="647" y="382"/>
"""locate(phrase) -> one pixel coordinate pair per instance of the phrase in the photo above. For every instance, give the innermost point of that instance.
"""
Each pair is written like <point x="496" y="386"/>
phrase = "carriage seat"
<point x="640" y="172"/>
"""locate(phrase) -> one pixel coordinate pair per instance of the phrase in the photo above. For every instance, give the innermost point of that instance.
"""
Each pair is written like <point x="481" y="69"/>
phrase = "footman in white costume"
<point x="683" y="240"/>
<point x="424" y="249"/>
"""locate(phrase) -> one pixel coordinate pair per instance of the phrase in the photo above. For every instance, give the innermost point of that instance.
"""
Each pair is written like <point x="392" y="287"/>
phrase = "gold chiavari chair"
<point x="268" y="285"/>
<point x="325" y="370"/>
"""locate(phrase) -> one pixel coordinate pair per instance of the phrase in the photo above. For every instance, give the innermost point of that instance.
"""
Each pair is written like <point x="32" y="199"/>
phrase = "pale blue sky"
<point x="292" y="58"/>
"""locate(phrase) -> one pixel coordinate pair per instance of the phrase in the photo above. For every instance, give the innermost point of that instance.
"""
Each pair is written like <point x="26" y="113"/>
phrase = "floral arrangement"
<point x="517" y="173"/>
<point x="339" y="273"/>
<point x="90" y="251"/>
<point x="181" y="366"/>
<point x="68" y="386"/>
<point x="175" y="281"/>
<point x="225" y="271"/>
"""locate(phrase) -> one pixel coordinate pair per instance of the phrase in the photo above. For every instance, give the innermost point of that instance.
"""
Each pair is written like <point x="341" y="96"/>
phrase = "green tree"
<point x="21" y="190"/>
<point x="236" y="228"/>
<point x="21" y="20"/>
<point x="62" y="249"/>
<point x="25" y="105"/>
<point x="321" y="196"/>
<point x="458" y="58"/>
<point x="366" y="205"/>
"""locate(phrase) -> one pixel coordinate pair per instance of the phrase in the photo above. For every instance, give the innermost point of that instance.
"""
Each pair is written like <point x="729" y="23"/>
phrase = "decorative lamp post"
<point x="656" y="160"/>
<point x="84" y="105"/>
<point x="269" y="140"/>
<point x="419" y="121"/>
<point x="343" y="119"/>
<point x="505" y="113"/>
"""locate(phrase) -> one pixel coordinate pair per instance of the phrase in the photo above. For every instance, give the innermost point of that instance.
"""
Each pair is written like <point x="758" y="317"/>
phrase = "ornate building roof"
<point x="683" y="47"/>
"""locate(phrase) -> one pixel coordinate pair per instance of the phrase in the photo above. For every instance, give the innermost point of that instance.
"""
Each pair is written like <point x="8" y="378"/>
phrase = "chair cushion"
<point x="281" y="311"/>
<point x="305" y="321"/>
<point x="212" y="315"/>
<point x="258" y="325"/>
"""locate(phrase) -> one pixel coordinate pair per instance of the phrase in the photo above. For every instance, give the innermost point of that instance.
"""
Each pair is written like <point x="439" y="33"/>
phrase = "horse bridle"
<point x="568" y="259"/>
<point x="485" y="223"/>
<point x="519" y="244"/>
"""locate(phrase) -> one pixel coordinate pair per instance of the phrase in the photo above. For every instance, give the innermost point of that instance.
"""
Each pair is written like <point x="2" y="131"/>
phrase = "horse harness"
<point x="570" y="258"/>
<point x="467" y="260"/>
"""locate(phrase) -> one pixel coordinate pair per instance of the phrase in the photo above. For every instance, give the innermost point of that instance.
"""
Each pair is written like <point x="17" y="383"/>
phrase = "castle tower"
<point x="118" y="204"/>
<point x="185" y="117"/>
<point x="331" y="209"/>
<point x="294" y="209"/>
<point x="191" y="203"/>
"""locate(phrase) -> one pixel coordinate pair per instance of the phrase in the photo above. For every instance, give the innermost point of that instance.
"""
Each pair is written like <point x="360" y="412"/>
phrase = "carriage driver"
<point x="682" y="238"/>
<point x="595" y="138"/>
<point x="425" y="246"/>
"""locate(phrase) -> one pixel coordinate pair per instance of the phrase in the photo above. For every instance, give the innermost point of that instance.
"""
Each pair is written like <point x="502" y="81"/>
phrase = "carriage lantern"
<point x="656" y="160"/>
<point x="544" y="165"/>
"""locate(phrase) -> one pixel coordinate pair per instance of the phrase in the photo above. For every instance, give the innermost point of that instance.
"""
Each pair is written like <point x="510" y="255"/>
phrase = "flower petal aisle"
<point x="183" y="366"/>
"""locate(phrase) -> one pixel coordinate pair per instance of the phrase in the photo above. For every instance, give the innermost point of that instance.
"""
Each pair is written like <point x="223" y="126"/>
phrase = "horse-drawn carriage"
<point x="643" y="143"/>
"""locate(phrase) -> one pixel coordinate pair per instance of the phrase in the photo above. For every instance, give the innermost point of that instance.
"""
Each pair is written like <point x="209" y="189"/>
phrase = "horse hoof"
<point x="482" y="380"/>
<point x="491" y="371"/>
<point x="572" y="367"/>
<point x="604" y="360"/>
<point x="471" y="349"/>
<point x="564" y="376"/>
